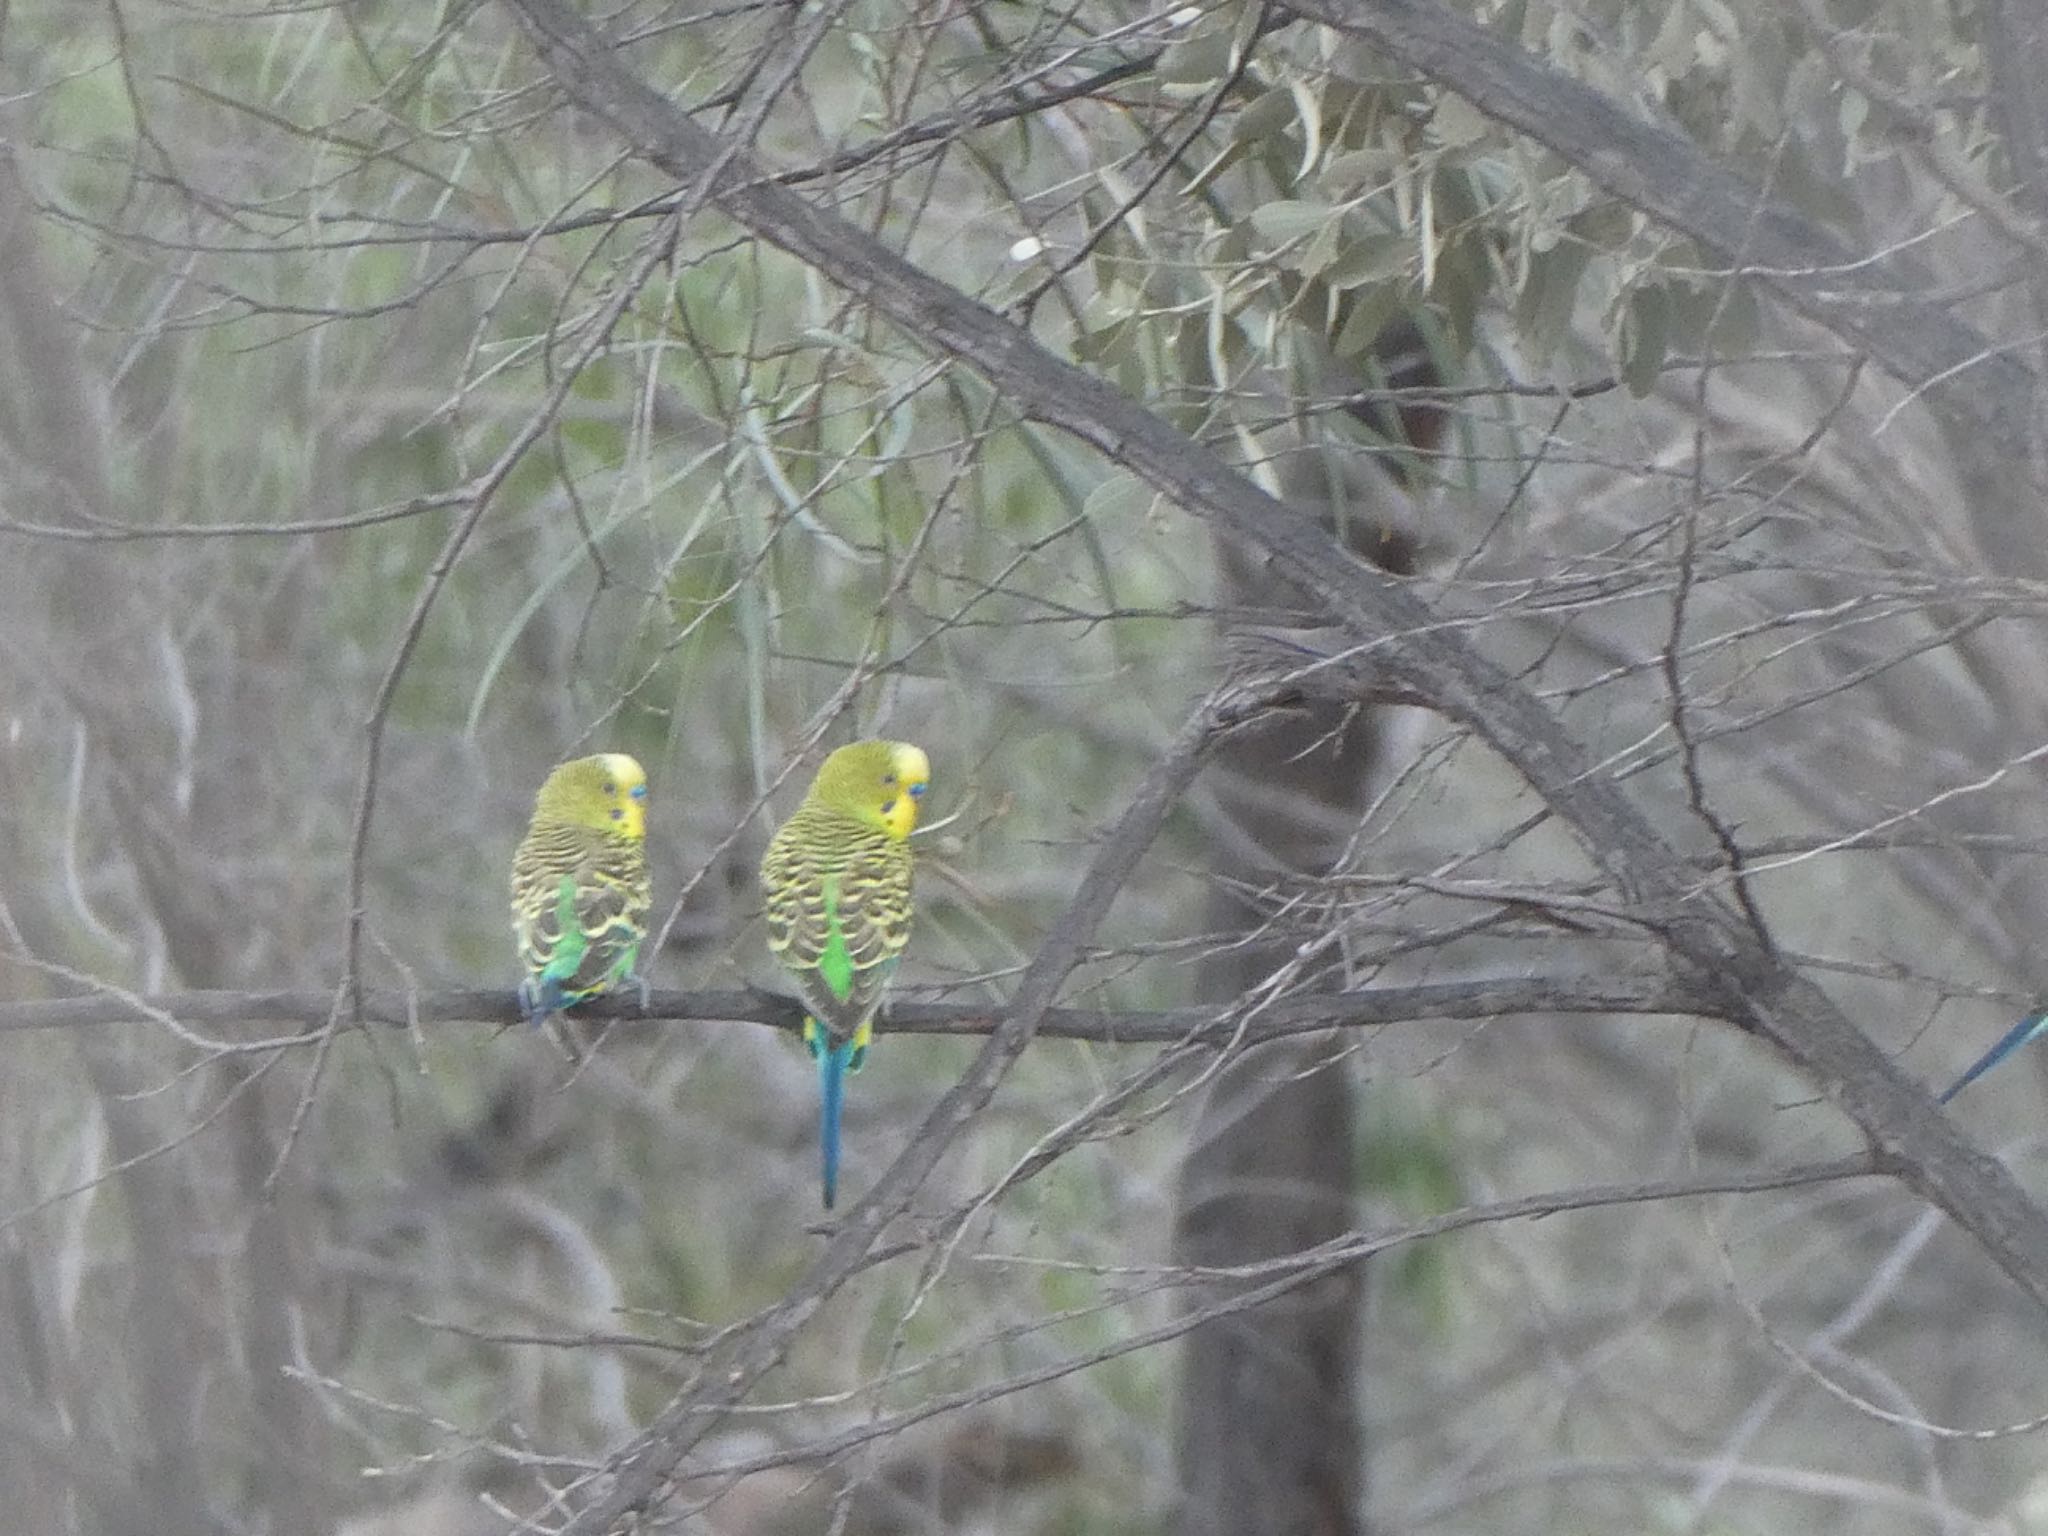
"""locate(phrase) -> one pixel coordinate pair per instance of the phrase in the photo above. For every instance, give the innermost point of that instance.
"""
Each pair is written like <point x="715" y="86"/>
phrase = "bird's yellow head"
<point x="878" y="782"/>
<point x="606" y="793"/>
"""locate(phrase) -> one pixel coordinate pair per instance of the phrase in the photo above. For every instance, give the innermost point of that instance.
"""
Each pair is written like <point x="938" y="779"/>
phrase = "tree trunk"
<point x="1270" y="1442"/>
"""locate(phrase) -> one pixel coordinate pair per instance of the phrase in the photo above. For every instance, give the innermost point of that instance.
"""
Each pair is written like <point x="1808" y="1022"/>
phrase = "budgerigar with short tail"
<point x="580" y="892"/>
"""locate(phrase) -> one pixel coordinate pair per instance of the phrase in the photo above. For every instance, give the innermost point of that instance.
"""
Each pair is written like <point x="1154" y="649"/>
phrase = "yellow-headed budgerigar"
<point x="579" y="884"/>
<point x="836" y="881"/>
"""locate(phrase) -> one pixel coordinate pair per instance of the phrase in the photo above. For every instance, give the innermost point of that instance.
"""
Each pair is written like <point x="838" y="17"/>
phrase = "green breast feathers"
<point x="837" y="895"/>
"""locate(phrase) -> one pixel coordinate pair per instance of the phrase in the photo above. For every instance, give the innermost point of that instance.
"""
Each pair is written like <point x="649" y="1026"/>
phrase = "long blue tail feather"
<point x="833" y="1059"/>
<point x="2033" y="1024"/>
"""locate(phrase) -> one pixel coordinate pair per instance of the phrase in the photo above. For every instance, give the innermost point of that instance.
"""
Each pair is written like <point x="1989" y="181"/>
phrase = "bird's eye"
<point x="917" y="791"/>
<point x="888" y="778"/>
<point x="611" y="789"/>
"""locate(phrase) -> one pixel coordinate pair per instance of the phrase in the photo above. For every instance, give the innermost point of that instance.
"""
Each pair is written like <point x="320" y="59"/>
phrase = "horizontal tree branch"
<point x="1482" y="999"/>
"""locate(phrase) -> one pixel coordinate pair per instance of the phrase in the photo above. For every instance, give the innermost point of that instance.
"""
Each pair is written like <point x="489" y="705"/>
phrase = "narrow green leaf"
<point x="1456" y="122"/>
<point x="1605" y="226"/>
<point x="1544" y="311"/>
<point x="1289" y="219"/>
<point x="1271" y="113"/>
<point x="1735" y="328"/>
<point x="1196" y="60"/>
<point x="1123" y="499"/>
<point x="1365" y="313"/>
<point x="1370" y="259"/>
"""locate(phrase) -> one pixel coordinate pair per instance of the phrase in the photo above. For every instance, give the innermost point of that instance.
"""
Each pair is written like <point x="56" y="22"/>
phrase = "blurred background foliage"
<point x="290" y="292"/>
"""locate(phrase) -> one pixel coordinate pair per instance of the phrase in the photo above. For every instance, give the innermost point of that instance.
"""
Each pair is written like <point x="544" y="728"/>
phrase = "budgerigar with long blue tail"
<point x="2028" y="1028"/>
<point x="836" y="885"/>
<point x="580" y="891"/>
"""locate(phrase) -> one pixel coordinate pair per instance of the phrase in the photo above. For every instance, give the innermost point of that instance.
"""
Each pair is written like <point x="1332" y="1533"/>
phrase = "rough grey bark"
<point x="1268" y="1437"/>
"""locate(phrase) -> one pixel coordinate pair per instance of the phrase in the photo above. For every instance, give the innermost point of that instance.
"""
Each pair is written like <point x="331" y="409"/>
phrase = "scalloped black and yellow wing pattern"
<point x="838" y="903"/>
<point x="580" y="901"/>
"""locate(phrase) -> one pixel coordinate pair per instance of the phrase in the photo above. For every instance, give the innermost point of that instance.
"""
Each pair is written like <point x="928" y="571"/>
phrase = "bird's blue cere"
<point x="917" y="791"/>
<point x="638" y="791"/>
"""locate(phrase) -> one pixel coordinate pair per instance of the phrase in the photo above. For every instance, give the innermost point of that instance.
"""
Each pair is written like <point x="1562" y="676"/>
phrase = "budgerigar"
<point x="836" y="881"/>
<point x="2033" y="1024"/>
<point x="579" y="884"/>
